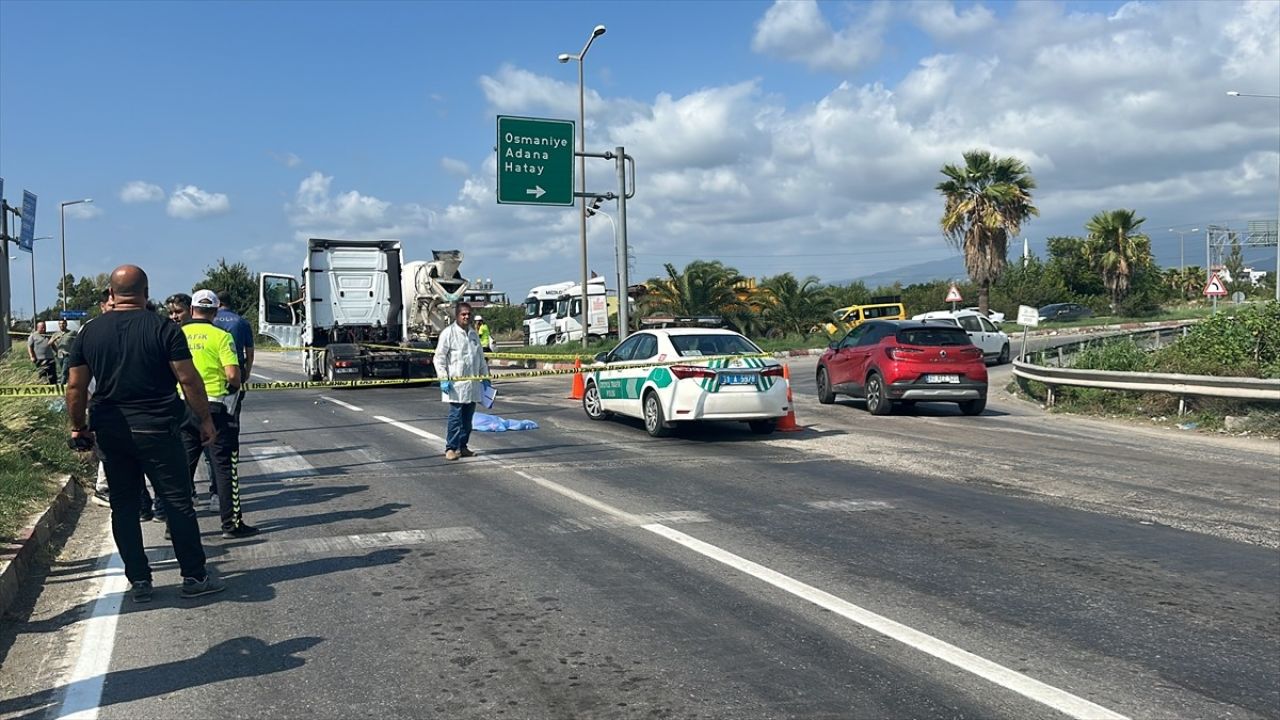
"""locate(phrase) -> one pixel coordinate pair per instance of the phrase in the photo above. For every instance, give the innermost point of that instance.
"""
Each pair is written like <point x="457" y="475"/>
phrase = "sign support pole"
<point x="5" y="342"/>
<point x="624" y="299"/>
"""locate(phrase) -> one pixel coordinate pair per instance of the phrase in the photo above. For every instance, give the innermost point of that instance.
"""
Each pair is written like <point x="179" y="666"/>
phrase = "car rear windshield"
<point x="934" y="336"/>
<point x="703" y="345"/>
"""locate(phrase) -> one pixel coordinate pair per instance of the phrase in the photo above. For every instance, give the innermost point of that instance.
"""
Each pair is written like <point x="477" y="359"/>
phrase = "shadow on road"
<point x="235" y="658"/>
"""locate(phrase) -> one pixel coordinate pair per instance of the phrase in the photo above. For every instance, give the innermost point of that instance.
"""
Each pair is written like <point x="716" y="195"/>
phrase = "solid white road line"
<point x="83" y="692"/>
<point x="336" y="401"/>
<point x="261" y="376"/>
<point x="1028" y="687"/>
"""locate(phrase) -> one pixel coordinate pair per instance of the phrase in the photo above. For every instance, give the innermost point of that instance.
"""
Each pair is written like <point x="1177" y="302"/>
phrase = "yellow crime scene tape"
<point x="29" y="391"/>
<point x="431" y="351"/>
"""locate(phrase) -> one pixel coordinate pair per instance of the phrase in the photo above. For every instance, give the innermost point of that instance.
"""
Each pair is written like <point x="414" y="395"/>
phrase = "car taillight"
<point x="343" y="363"/>
<point x="684" y="372"/>
<point x="972" y="353"/>
<point x="772" y="371"/>
<point x="904" y="353"/>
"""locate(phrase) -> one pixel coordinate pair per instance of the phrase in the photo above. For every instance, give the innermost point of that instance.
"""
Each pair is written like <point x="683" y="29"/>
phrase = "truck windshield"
<point x="562" y="308"/>
<point x="531" y="306"/>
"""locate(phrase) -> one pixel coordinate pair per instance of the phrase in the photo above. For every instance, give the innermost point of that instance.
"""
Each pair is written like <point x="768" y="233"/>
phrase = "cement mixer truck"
<point x="360" y="311"/>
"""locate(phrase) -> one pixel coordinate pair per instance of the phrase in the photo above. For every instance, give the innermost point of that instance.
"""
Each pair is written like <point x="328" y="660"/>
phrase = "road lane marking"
<point x="264" y="377"/>
<point x="850" y="505"/>
<point x="606" y="522"/>
<point x="279" y="462"/>
<point x="83" y="693"/>
<point x="337" y="545"/>
<point x="409" y="428"/>
<point x="1028" y="687"/>
<point x="336" y="401"/>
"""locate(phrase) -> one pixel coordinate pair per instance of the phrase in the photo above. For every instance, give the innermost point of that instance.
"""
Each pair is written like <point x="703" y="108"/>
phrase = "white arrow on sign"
<point x="536" y="191"/>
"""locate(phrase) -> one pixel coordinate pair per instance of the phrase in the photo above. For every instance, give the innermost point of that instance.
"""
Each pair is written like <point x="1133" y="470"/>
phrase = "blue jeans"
<point x="459" y="431"/>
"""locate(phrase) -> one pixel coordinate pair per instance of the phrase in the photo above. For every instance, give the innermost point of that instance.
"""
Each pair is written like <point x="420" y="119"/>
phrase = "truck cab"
<point x="540" y="313"/>
<point x="568" y="322"/>
<point x="346" y="313"/>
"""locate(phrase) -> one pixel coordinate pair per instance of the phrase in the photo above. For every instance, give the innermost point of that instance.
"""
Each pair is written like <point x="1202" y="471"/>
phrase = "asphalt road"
<point x="922" y="565"/>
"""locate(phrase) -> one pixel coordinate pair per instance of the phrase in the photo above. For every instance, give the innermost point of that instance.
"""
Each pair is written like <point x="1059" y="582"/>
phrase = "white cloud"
<point x="796" y="30"/>
<point x="940" y="19"/>
<point x="454" y="166"/>
<point x="139" y="191"/>
<point x="188" y="202"/>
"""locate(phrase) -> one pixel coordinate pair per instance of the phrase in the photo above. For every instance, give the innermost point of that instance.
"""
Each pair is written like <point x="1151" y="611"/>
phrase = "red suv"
<point x="904" y="361"/>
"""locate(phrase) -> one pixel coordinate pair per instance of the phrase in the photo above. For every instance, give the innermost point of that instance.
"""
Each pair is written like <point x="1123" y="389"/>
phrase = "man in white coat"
<point x="459" y="355"/>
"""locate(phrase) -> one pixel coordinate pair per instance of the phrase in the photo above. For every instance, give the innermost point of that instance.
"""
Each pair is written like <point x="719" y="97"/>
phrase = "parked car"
<point x="714" y="378"/>
<point x="983" y="333"/>
<point x="905" y="362"/>
<point x="1062" y="312"/>
<point x="992" y="315"/>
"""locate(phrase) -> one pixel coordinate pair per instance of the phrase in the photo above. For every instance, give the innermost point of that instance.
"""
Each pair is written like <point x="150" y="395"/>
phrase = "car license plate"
<point x="942" y="378"/>
<point x="737" y="379"/>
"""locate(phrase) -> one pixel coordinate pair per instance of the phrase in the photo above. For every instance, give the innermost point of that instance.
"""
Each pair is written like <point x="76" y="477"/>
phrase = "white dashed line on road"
<point x="279" y="463"/>
<point x="336" y="401"/>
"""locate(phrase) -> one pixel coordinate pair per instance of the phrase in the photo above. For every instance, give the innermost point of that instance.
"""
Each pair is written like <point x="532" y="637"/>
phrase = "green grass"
<point x="1180" y="313"/>
<point x="33" y="450"/>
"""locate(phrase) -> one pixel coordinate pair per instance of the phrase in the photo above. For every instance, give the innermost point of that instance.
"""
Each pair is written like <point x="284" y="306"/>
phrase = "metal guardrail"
<point x="1171" y="383"/>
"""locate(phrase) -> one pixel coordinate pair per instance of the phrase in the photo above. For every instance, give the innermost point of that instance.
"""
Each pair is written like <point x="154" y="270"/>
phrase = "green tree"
<point x="1067" y="266"/>
<point x="83" y="294"/>
<point x="1030" y="283"/>
<point x="703" y="288"/>
<point x="237" y="280"/>
<point x="987" y="200"/>
<point x="1234" y="264"/>
<point x="1116" y="250"/>
<point x="795" y="306"/>
<point x="854" y="293"/>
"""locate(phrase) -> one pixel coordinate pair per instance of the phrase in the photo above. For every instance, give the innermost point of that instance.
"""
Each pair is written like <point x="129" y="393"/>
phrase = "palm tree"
<point x="702" y="288"/>
<point x="796" y="306"/>
<point x="1116" y="250"/>
<point x="987" y="201"/>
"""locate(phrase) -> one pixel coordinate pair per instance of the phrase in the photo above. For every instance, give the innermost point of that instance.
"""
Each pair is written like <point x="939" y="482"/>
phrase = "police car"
<point x="685" y="372"/>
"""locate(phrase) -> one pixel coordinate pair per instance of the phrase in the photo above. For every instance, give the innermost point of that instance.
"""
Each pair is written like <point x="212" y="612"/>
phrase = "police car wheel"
<point x="591" y="403"/>
<point x="654" y="423"/>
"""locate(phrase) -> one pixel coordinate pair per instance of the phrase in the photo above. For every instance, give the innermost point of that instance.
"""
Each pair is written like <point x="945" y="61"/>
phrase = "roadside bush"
<point x="33" y="449"/>
<point x="1120" y="355"/>
<point x="1245" y="343"/>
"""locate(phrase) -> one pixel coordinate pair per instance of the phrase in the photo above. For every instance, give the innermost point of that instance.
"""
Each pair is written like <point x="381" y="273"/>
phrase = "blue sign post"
<point x="28" y="236"/>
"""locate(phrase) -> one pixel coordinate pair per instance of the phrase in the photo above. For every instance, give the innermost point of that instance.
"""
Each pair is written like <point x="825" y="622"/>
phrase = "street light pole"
<point x="582" y="167"/>
<point x="34" y="311"/>
<point x="1182" y="246"/>
<point x="62" y="217"/>
<point x="1234" y="93"/>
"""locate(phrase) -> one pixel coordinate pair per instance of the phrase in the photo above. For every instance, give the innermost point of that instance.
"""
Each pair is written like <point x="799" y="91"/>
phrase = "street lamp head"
<point x="564" y="57"/>
<point x="598" y="31"/>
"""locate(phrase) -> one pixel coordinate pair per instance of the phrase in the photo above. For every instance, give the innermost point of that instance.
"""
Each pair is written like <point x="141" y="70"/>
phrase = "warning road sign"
<point x="953" y="295"/>
<point x="1215" y="288"/>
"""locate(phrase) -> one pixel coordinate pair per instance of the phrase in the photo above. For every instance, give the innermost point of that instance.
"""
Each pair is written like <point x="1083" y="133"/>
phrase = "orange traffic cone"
<point x="579" y="388"/>
<point x="788" y="423"/>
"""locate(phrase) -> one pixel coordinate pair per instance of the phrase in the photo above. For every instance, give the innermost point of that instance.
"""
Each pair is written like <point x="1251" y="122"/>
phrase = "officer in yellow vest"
<point x="486" y="337"/>
<point x="213" y="352"/>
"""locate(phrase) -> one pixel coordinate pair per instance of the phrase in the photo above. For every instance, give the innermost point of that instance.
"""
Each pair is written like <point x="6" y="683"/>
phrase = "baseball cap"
<point x="204" y="299"/>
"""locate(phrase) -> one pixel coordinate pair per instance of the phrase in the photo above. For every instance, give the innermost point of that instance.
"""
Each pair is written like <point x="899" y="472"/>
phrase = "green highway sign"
<point x="535" y="161"/>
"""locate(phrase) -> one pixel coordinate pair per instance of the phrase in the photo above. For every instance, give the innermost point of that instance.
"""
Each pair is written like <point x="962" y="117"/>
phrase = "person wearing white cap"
<point x="214" y="353"/>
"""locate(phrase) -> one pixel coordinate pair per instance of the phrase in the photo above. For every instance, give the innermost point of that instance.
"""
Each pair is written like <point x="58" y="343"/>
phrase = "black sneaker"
<point x="193" y="588"/>
<point x="240" y="531"/>
<point x="167" y="534"/>
<point x="101" y="499"/>
<point x="158" y="517"/>
<point x="141" y="591"/>
<point x="146" y="516"/>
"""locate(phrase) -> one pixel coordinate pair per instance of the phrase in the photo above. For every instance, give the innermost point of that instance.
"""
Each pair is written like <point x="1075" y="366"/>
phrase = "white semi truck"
<point x="359" y="310"/>
<point x="569" y="312"/>
<point x="540" y="312"/>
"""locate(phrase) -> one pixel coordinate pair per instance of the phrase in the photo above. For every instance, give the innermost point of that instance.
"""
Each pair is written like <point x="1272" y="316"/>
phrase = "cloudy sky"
<point x="792" y="136"/>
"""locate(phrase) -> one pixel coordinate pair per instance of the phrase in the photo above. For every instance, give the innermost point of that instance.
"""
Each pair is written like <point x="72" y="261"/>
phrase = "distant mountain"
<point x="945" y="269"/>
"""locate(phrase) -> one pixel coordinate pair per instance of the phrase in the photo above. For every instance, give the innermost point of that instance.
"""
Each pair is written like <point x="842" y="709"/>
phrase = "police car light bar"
<point x="666" y="321"/>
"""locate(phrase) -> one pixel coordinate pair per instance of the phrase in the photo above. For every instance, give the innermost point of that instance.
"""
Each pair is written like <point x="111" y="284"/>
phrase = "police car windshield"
<point x="703" y="345"/>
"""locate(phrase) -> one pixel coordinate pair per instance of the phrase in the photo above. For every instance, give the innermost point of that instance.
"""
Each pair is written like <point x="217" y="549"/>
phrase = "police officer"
<point x="213" y="351"/>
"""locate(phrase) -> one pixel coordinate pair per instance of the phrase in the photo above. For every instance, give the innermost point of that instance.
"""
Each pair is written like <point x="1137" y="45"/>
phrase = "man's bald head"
<point x="129" y="285"/>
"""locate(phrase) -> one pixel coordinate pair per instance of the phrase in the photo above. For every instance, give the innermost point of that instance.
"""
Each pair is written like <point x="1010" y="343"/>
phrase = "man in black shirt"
<point x="138" y="358"/>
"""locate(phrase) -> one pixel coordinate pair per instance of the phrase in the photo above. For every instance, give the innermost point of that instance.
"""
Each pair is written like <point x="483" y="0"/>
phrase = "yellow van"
<point x="848" y="318"/>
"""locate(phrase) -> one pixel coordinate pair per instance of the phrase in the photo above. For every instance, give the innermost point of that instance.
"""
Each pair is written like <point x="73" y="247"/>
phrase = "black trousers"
<point x="225" y="456"/>
<point x="126" y="456"/>
<point x="48" y="371"/>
